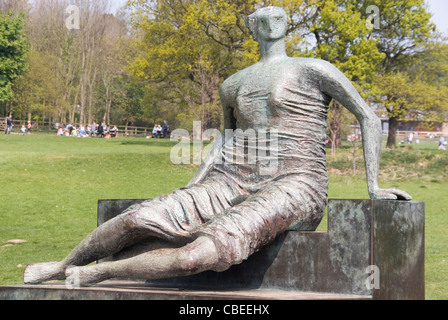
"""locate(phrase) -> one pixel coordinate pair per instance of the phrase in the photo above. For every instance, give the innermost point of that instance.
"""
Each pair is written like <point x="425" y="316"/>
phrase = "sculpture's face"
<point x="269" y="24"/>
<point x="271" y="27"/>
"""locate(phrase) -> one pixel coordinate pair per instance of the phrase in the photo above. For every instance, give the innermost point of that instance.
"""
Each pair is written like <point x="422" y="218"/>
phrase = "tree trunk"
<point x="83" y="92"/>
<point x="391" y="138"/>
<point x="108" y="98"/>
<point x="335" y="126"/>
<point x="91" y="84"/>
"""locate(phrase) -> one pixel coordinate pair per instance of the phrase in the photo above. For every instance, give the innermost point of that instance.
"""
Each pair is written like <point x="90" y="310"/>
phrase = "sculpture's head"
<point x="267" y="24"/>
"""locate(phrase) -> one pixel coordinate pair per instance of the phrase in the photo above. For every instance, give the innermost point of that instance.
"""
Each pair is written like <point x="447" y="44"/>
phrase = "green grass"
<point x="50" y="187"/>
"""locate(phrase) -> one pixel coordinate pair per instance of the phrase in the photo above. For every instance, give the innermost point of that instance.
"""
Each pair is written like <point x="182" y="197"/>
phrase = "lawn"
<point x="51" y="185"/>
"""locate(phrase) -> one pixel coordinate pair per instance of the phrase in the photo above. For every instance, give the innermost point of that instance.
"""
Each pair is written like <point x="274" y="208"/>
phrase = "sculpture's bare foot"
<point x="85" y="276"/>
<point x="40" y="272"/>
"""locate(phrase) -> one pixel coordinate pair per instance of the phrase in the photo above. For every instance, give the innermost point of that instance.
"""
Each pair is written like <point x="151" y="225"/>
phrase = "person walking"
<point x="442" y="144"/>
<point x="411" y="137"/>
<point x="165" y="129"/>
<point x="9" y="125"/>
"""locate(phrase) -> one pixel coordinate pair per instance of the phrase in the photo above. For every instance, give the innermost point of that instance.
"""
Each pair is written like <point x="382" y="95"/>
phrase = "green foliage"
<point x="401" y="94"/>
<point x="343" y="39"/>
<point x="13" y="49"/>
<point x="405" y="82"/>
<point x="420" y="88"/>
<point x="77" y="76"/>
<point x="191" y="47"/>
<point x="39" y="90"/>
<point x="179" y="53"/>
<point x="405" y="29"/>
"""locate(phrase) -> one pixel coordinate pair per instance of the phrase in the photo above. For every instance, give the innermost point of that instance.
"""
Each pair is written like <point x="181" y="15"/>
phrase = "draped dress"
<point x="270" y="175"/>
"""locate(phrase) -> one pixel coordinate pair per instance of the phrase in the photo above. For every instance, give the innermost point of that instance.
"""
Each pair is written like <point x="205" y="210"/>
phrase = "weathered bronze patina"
<point x="233" y="207"/>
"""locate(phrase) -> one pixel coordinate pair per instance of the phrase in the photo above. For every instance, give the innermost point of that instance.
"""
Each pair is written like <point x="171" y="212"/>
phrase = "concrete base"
<point x="134" y="290"/>
<point x="372" y="250"/>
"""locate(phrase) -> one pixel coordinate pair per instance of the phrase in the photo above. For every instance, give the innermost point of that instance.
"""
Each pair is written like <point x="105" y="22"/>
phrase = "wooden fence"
<point x="133" y="131"/>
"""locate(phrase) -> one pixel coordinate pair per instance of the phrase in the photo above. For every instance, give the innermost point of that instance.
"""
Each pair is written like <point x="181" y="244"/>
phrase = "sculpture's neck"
<point x="272" y="50"/>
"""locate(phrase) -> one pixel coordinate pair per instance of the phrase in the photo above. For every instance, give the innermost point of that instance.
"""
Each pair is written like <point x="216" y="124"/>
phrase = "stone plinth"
<point x="383" y="237"/>
<point x="372" y="250"/>
<point x="138" y="290"/>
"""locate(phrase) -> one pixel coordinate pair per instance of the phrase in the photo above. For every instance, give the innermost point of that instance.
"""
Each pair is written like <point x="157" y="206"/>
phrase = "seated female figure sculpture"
<point x="231" y="210"/>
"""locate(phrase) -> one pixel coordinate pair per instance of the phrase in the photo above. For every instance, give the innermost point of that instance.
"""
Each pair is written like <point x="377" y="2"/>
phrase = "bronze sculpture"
<point x="231" y="210"/>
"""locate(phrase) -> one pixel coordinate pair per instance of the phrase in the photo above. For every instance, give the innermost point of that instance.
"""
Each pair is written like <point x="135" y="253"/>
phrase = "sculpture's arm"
<point x="214" y="154"/>
<point x="337" y="86"/>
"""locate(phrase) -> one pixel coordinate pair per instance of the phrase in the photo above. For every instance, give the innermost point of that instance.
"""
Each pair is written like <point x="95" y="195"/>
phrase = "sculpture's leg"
<point x="250" y="225"/>
<point x="170" y="217"/>
<point x="227" y="239"/>
<point x="195" y="257"/>
<point x="107" y="239"/>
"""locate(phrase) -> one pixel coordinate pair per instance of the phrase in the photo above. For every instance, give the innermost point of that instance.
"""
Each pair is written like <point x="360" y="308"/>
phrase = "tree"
<point x="127" y="100"/>
<point x="405" y="28"/>
<point x="13" y="6"/>
<point x="192" y="46"/>
<point x="40" y="89"/>
<point x="91" y="34"/>
<point x="342" y="38"/>
<point x="189" y="46"/>
<point x="111" y="62"/>
<point x="421" y="89"/>
<point x="13" y="50"/>
<point x="404" y="32"/>
<point x="71" y="70"/>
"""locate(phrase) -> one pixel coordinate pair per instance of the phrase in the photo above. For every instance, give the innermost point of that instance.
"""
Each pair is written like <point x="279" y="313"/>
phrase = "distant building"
<point x="412" y="122"/>
<point x="407" y="126"/>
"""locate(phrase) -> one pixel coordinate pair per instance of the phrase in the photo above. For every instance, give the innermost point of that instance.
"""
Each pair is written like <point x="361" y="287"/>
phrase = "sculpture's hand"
<point x="390" y="194"/>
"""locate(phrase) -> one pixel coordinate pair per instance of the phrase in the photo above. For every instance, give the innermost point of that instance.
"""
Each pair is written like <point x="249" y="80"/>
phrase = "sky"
<point x="439" y="9"/>
<point x="117" y="4"/>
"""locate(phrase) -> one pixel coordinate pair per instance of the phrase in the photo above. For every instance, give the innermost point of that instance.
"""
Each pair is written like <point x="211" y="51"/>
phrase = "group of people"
<point x="10" y="125"/>
<point x="409" y="139"/>
<point x="26" y="129"/>
<point x="92" y="130"/>
<point x="160" y="132"/>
